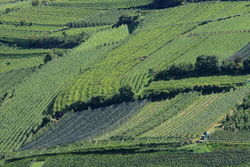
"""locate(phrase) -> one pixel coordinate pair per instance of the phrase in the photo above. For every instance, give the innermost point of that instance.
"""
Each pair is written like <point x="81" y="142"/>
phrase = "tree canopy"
<point x="160" y="4"/>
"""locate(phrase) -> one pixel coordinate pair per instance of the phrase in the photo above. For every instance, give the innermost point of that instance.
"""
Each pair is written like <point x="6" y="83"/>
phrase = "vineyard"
<point x="225" y="157"/>
<point x="102" y="4"/>
<point x="199" y="116"/>
<point x="42" y="93"/>
<point x="49" y="17"/>
<point x="86" y="124"/>
<point x="8" y="80"/>
<point x="78" y="78"/>
<point x="8" y="64"/>
<point x="192" y="83"/>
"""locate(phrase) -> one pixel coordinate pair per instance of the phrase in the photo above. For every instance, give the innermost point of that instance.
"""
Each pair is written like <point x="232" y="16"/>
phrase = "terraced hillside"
<point x="58" y="58"/>
<point x="156" y="47"/>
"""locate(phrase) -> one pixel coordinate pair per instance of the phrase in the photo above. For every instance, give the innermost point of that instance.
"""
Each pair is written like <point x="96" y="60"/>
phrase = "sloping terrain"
<point x="58" y="58"/>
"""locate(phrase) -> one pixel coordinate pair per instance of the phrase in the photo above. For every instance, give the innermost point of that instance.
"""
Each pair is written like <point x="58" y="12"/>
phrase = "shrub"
<point x="35" y="2"/>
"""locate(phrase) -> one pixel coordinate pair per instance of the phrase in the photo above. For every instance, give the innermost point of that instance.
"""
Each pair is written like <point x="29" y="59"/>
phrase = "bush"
<point x="49" y="56"/>
<point x="35" y="2"/>
<point x="246" y="66"/>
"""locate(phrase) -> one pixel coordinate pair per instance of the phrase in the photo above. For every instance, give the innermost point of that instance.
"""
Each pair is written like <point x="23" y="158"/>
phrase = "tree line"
<point x="63" y="41"/>
<point x="125" y="95"/>
<point x="160" y="4"/>
<point x="204" y="66"/>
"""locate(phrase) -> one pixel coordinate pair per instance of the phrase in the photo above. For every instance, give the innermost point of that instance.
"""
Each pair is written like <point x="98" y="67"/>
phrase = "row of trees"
<point x="204" y="66"/>
<point x="160" y="4"/>
<point x="63" y="41"/>
<point x="125" y="95"/>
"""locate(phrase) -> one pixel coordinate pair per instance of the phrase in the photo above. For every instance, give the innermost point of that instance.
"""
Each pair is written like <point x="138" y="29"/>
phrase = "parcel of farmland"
<point x="124" y="83"/>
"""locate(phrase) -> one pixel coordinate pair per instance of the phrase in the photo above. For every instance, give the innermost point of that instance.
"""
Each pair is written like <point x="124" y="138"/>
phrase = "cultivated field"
<point x="56" y="56"/>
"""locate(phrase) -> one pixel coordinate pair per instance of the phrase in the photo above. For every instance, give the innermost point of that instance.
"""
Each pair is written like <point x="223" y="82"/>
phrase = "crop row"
<point x="138" y="81"/>
<point x="216" y="33"/>
<point x="23" y="114"/>
<point x="8" y="64"/>
<point x="187" y="83"/>
<point x="50" y="15"/>
<point x="86" y="124"/>
<point x="233" y="24"/>
<point x="9" y="79"/>
<point x="154" y="114"/>
<point x="103" y="79"/>
<point x="7" y="50"/>
<point x="109" y="17"/>
<point x="230" y="136"/>
<point x="162" y="52"/>
<point x="188" y="49"/>
<point x="199" y="116"/>
<point x="194" y="12"/>
<point x="223" y="157"/>
<point x="12" y="6"/>
<point x="107" y="4"/>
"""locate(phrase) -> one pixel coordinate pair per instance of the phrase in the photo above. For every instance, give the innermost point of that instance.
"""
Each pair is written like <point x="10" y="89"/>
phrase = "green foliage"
<point x="109" y="17"/>
<point x="160" y="4"/>
<point x="230" y="67"/>
<point x="237" y="136"/>
<point x="126" y="93"/>
<point x="43" y="87"/>
<point x="86" y="124"/>
<point x="8" y="64"/>
<point x="154" y="114"/>
<point x="103" y="4"/>
<point x="204" y="84"/>
<point x="224" y="157"/>
<point x="57" y="42"/>
<point x="198" y="116"/>
<point x="203" y="12"/>
<point x="49" y="56"/>
<point x="35" y="2"/>
<point x="246" y="66"/>
<point x="207" y="64"/>
<point x="7" y="10"/>
<point x="52" y="15"/>
<point x="239" y="119"/>
<point x="97" y="70"/>
<point x="132" y="21"/>
<point x="181" y="70"/>
<point x="10" y="79"/>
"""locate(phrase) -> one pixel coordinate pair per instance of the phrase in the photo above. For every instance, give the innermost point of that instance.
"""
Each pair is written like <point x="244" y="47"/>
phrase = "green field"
<point x="157" y="53"/>
<point x="101" y="4"/>
<point x="78" y="85"/>
<point x="191" y="83"/>
<point x="49" y="15"/>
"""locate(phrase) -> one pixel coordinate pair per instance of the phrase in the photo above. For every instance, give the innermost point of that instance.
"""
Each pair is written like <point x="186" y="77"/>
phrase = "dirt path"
<point x="211" y="129"/>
